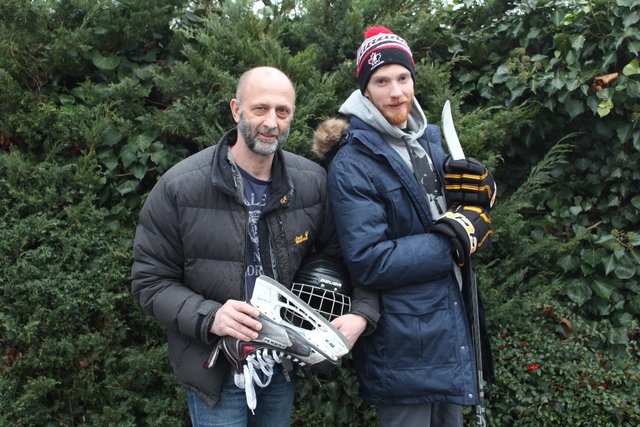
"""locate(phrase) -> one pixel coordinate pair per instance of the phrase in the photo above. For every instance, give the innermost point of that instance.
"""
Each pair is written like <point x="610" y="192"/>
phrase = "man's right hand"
<point x="236" y="319"/>
<point x="467" y="227"/>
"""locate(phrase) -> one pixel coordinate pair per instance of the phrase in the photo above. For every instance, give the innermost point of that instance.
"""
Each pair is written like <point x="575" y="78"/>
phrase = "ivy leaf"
<point x="129" y="186"/>
<point x="631" y="68"/>
<point x="619" y="336"/>
<point x="577" y="42"/>
<point x="111" y="137"/>
<point x="109" y="159"/>
<point x="67" y="99"/>
<point x="567" y="262"/>
<point x="624" y="131"/>
<point x="105" y="63"/>
<point x="138" y="170"/>
<point x="605" y="107"/>
<point x="141" y="142"/>
<point x="128" y="154"/>
<point x="609" y="264"/>
<point x="630" y="19"/>
<point x="578" y="292"/>
<point x="574" y="107"/>
<point x="624" y="273"/>
<point x="602" y="289"/>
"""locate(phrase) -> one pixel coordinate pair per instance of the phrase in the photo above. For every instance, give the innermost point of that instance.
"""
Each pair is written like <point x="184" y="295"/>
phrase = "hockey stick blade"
<point x="450" y="135"/>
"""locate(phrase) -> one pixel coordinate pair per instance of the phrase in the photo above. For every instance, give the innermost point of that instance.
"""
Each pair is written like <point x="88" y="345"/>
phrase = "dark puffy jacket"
<point x="190" y="248"/>
<point x="421" y="350"/>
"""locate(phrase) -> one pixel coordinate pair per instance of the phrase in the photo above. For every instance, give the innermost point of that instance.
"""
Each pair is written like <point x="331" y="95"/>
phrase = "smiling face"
<point x="264" y="109"/>
<point x="390" y="89"/>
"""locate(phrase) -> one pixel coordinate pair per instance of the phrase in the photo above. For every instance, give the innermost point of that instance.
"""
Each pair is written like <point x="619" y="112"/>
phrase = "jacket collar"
<point x="226" y="177"/>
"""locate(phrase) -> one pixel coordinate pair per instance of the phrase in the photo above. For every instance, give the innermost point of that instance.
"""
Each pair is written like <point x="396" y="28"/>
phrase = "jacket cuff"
<point x="369" y="313"/>
<point x="207" y="312"/>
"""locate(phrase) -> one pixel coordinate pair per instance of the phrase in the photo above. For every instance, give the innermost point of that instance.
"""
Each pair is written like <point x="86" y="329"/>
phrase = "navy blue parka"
<point x="421" y="350"/>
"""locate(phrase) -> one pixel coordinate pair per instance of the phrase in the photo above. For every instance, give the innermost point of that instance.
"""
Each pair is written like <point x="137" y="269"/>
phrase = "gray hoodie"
<point x="359" y="105"/>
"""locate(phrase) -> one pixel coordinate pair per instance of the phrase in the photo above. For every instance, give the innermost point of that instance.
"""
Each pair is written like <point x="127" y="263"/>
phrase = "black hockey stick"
<point x="470" y="284"/>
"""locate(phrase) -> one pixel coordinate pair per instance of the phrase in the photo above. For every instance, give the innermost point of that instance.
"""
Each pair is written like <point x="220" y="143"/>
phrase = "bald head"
<point x="263" y="109"/>
<point x="264" y="76"/>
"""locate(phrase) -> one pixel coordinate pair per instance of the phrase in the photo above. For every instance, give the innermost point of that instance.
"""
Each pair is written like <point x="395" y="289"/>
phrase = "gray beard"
<point x="255" y="144"/>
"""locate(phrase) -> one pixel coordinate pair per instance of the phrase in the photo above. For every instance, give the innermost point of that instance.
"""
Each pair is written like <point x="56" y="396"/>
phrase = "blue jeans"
<point x="275" y="403"/>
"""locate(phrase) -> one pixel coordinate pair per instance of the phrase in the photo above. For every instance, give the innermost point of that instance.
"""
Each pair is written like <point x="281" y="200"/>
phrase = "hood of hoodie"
<point x="327" y="135"/>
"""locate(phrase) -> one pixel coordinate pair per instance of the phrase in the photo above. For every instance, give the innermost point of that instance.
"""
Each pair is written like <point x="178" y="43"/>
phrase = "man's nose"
<point x="396" y="90"/>
<point x="271" y="119"/>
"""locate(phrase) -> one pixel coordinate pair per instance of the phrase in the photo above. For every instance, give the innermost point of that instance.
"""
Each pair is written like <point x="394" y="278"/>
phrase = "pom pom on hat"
<point x="381" y="47"/>
<point x="374" y="31"/>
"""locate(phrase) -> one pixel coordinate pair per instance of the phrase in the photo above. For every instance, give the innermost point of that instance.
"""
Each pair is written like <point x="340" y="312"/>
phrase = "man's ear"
<point x="235" y="109"/>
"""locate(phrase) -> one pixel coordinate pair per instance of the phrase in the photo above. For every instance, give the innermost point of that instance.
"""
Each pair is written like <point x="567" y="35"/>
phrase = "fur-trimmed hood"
<point x="327" y="135"/>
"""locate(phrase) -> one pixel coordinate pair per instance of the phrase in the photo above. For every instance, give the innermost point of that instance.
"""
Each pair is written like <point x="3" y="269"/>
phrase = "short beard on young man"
<point x="398" y="117"/>
<point x="253" y="141"/>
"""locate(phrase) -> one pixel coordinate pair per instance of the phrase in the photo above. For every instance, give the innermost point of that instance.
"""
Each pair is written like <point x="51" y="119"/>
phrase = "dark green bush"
<point x="74" y="347"/>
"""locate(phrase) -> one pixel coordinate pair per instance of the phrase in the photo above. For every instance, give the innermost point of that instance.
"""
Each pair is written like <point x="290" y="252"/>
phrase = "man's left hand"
<point x="351" y="326"/>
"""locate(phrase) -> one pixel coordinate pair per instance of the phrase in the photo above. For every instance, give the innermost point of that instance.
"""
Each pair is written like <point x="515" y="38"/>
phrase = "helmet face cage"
<point x="330" y="303"/>
<point x="323" y="283"/>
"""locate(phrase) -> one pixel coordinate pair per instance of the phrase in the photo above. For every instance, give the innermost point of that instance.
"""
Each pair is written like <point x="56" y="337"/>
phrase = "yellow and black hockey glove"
<point x="468" y="182"/>
<point x="468" y="229"/>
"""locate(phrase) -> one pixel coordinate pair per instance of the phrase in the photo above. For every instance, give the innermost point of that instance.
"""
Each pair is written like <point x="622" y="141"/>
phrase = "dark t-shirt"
<point x="255" y="198"/>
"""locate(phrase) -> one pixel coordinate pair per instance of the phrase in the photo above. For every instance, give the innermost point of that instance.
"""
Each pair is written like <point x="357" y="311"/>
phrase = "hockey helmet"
<point x="323" y="283"/>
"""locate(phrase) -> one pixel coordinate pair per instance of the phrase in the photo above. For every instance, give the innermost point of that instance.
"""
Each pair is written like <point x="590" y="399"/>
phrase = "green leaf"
<point x="605" y="240"/>
<point x="630" y="19"/>
<point x="568" y="262"/>
<point x="141" y="142"/>
<point x="578" y="292"/>
<point x="574" y="107"/>
<point x="624" y="273"/>
<point x="618" y="336"/>
<point x="605" y="107"/>
<point x="632" y="68"/>
<point x="138" y="170"/>
<point x="602" y="289"/>
<point x="111" y="137"/>
<point x="105" y="63"/>
<point x="67" y="99"/>
<point x="577" y="42"/>
<point x="609" y="263"/>
<point x="128" y="154"/>
<point x="129" y="186"/>
<point x="502" y="74"/>
<point x="624" y="131"/>
<point x="109" y="159"/>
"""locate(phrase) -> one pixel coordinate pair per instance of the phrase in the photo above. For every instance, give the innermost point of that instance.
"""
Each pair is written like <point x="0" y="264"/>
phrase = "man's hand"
<point x="468" y="182"/>
<point x="351" y="326"/>
<point x="468" y="229"/>
<point x="236" y="319"/>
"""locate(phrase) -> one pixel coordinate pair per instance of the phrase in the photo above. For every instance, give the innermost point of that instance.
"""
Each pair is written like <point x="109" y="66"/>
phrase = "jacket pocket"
<point x="419" y="329"/>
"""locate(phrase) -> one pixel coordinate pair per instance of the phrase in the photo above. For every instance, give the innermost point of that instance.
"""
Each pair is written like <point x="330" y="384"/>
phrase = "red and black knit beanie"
<point x="381" y="47"/>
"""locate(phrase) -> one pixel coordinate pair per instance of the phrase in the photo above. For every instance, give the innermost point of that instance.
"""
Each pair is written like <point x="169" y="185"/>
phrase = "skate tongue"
<point x="274" y="300"/>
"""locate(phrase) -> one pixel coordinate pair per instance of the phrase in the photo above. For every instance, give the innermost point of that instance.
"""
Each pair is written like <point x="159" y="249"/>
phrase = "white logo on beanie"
<point x="375" y="59"/>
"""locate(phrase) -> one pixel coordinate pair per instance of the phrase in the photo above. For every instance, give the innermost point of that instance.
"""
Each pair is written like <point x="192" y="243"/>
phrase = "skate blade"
<point x="273" y="299"/>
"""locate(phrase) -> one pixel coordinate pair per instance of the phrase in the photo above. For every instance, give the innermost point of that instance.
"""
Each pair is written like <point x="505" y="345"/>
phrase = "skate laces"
<point x="260" y="361"/>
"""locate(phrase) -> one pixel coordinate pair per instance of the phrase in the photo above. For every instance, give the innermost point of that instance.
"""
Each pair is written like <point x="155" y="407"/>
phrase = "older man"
<point x="214" y="223"/>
